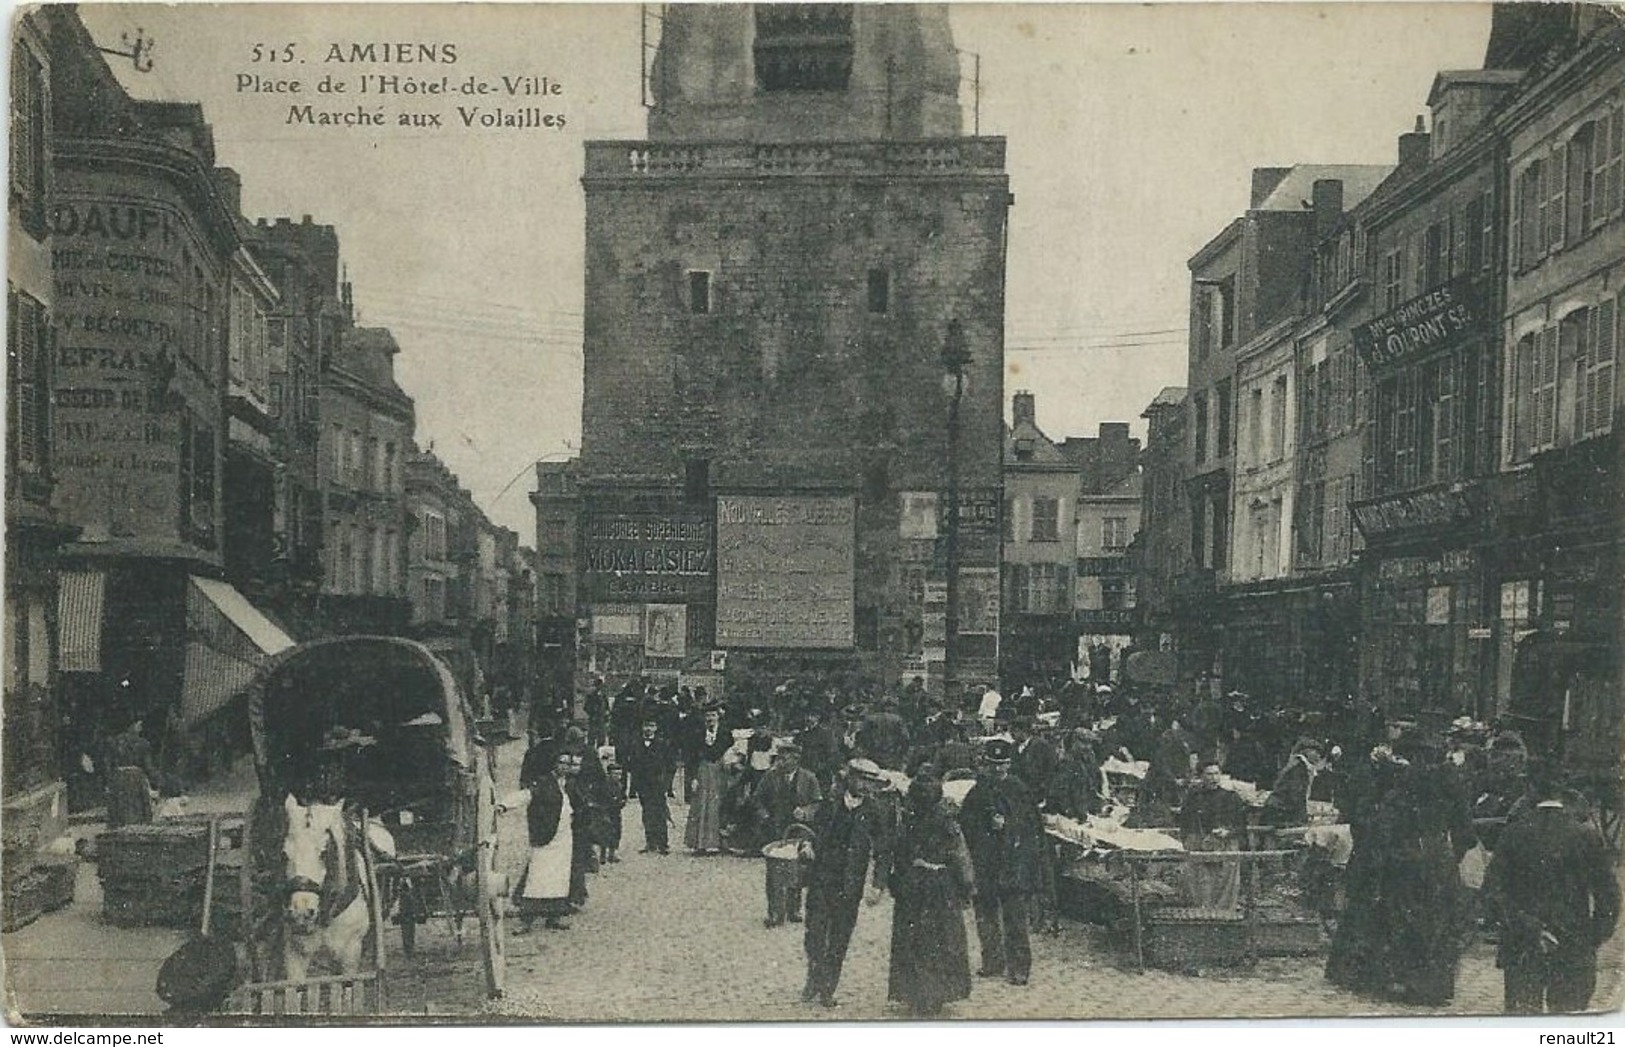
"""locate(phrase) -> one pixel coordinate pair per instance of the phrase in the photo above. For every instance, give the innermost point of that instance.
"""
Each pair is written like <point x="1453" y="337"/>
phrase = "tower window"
<point x="803" y="47"/>
<point x="879" y="292"/>
<point x="699" y="291"/>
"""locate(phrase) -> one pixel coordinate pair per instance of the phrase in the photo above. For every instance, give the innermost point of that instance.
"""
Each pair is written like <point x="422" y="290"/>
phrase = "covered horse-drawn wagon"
<point x="376" y="802"/>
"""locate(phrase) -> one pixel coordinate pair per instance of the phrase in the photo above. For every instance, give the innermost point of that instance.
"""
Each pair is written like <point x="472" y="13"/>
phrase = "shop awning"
<point x="264" y="633"/>
<point x="227" y="640"/>
<point x="81" y="602"/>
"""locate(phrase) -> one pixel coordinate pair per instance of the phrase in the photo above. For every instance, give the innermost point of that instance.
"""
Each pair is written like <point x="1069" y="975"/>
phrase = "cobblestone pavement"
<point x="680" y="937"/>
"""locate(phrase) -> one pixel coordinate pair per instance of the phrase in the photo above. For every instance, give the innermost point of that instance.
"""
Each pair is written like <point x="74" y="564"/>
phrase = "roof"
<point x="1479" y="77"/>
<point x="1044" y="450"/>
<point x="1171" y="396"/>
<point x="1297" y="189"/>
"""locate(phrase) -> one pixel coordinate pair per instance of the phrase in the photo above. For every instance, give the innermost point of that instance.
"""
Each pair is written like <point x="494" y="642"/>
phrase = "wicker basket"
<point x="1177" y="937"/>
<point x="784" y="865"/>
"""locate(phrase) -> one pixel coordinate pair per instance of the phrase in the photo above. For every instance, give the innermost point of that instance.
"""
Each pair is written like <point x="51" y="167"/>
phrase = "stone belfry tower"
<point x="772" y="277"/>
<point x="785" y="72"/>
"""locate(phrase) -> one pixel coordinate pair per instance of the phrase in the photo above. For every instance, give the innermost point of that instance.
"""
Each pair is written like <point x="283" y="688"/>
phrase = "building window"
<point x="803" y="47"/>
<point x="1479" y="223"/>
<point x="1117" y="593"/>
<point x="1393" y="278"/>
<point x="1435" y="256"/>
<point x="1114" y="533"/>
<point x="1582" y="185"/>
<point x="28" y="393"/>
<point x="28" y="137"/>
<point x="1278" y="404"/>
<point x="1609" y="156"/>
<point x="1598" y="367"/>
<point x="1221" y="406"/>
<point x="1046" y="519"/>
<point x="879" y="292"/>
<point x="1255" y="426"/>
<point x="197" y="477"/>
<point x="1040" y="588"/>
<point x="1533" y="406"/>
<point x="1553" y="206"/>
<point x="699" y="291"/>
<point x="1199" y="425"/>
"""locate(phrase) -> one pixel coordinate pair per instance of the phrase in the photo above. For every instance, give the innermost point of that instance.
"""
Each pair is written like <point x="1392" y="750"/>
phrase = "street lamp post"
<point x="955" y="356"/>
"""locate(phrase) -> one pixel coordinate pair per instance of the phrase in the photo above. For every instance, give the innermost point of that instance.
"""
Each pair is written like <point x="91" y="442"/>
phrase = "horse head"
<point x="315" y="851"/>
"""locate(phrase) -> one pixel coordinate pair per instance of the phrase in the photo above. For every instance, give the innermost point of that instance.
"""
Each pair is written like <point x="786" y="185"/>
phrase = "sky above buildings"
<point x="1132" y="134"/>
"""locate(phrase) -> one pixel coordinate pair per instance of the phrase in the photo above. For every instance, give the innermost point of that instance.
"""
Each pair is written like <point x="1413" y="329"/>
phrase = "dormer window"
<point x="1024" y="449"/>
<point x="803" y="47"/>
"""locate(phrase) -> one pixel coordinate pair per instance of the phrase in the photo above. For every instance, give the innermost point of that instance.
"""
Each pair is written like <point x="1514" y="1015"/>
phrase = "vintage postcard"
<point x="808" y="512"/>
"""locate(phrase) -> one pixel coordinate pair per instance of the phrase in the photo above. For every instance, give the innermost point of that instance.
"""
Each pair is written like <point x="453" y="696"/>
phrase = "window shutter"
<point x="1599" y="383"/>
<point x="1612" y="191"/>
<point x="1546" y="387"/>
<point x="1556" y="192"/>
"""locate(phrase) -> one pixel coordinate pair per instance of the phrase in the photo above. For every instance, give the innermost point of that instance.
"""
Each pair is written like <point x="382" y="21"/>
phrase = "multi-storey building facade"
<point x="145" y="245"/>
<point x="251" y="457"/>
<point x="367" y="426"/>
<point x="1161" y="550"/>
<point x="1041" y="489"/>
<point x="1431" y="353"/>
<point x="1106" y="592"/>
<point x="302" y="333"/>
<point x="771" y="278"/>
<point x="1553" y="607"/>
<point x="1248" y="294"/>
<point x="35" y="783"/>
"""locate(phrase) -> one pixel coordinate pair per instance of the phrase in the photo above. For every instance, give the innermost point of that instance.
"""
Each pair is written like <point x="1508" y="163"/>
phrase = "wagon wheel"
<point x="491" y="888"/>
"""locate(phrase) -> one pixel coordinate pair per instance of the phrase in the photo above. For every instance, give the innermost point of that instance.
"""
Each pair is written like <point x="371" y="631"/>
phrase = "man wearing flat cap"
<point x="1003" y="831"/>
<point x="851" y="835"/>
<point x="788" y="793"/>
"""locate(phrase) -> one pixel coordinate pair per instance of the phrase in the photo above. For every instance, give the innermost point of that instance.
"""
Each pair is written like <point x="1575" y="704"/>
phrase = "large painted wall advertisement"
<point x="785" y="571"/>
<point x="135" y="345"/>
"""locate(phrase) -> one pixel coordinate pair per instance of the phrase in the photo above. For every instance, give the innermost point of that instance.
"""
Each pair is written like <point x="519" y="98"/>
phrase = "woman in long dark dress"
<point x="1421" y="882"/>
<point x="932" y="882"/>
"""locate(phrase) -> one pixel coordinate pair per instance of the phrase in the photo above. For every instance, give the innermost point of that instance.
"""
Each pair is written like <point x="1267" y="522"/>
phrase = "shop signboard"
<point x="785" y="571"/>
<point x="646" y="556"/>
<point x="1439" y="319"/>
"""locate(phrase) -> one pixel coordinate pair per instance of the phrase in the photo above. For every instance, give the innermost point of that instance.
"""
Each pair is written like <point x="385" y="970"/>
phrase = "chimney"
<point x="1413" y="147"/>
<point x="1327" y="196"/>
<point x="1023" y="408"/>
<point x="1265" y="181"/>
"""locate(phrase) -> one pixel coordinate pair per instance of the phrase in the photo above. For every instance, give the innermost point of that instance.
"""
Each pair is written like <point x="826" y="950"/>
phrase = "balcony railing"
<point x="929" y="157"/>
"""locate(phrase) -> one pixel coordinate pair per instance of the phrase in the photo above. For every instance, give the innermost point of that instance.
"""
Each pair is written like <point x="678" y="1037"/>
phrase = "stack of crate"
<point x="152" y="875"/>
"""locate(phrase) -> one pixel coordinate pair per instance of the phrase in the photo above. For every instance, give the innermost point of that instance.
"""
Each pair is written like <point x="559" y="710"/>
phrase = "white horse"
<point x="328" y="918"/>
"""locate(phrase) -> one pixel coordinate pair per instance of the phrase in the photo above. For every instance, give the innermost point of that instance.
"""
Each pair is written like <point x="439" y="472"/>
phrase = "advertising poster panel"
<point x="785" y="571"/>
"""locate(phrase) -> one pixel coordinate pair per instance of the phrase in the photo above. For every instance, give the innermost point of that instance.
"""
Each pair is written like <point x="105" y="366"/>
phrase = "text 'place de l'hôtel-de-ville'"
<point x="1390" y="477"/>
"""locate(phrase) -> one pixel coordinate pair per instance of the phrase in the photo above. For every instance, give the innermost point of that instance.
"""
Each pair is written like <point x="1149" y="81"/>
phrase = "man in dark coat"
<point x="1553" y="886"/>
<point x="851" y="835"/>
<point x="1034" y="762"/>
<point x="650" y="765"/>
<point x="788" y="793"/>
<point x="820" y="751"/>
<point x="1002" y="828"/>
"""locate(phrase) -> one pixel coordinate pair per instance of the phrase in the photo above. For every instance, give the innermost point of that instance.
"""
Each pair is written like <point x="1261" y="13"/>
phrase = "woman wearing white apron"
<point x="544" y="889"/>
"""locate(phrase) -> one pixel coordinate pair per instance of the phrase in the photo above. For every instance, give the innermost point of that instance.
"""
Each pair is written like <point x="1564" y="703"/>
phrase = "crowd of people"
<point x="859" y="784"/>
